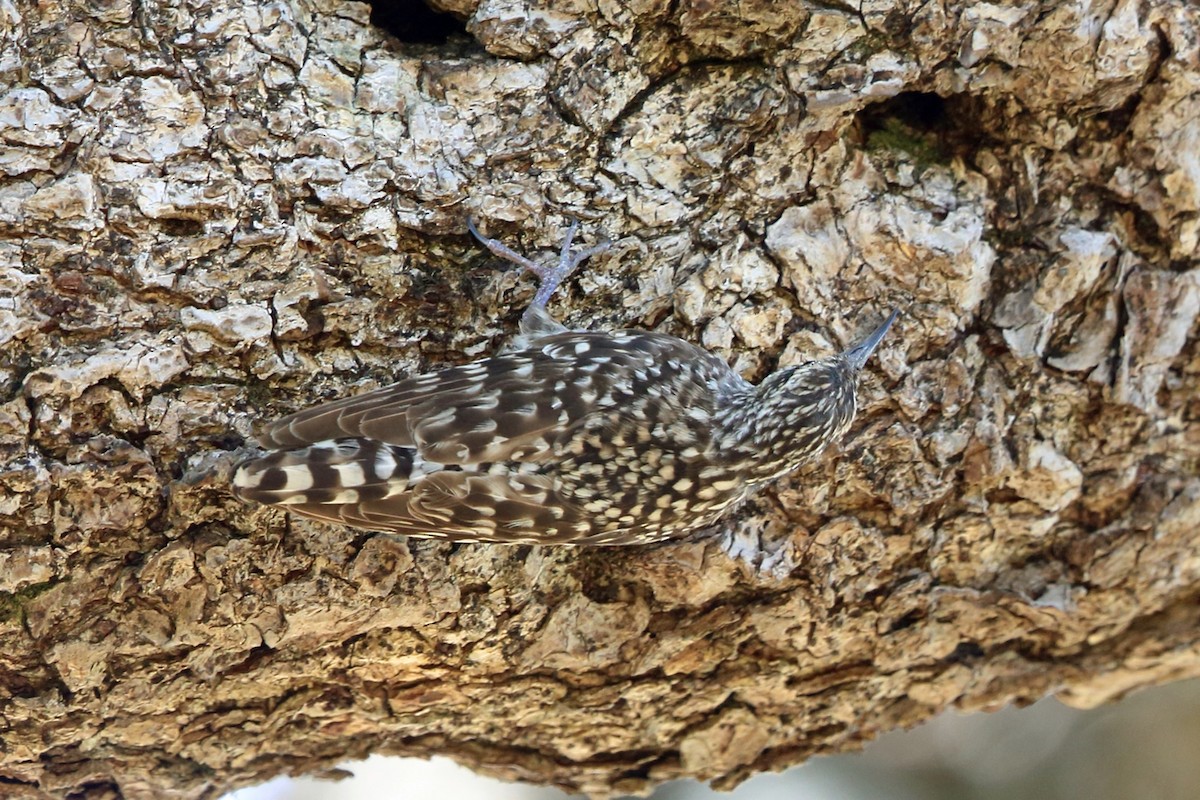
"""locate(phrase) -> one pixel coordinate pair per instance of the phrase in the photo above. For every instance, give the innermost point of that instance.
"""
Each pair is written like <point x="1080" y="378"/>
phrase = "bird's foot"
<point x="549" y="277"/>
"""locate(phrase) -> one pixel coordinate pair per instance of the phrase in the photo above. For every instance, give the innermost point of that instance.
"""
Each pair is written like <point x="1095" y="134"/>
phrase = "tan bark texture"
<point x="212" y="213"/>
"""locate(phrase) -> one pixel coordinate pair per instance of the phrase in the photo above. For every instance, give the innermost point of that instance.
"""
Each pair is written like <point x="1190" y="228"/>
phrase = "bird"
<point x="578" y="437"/>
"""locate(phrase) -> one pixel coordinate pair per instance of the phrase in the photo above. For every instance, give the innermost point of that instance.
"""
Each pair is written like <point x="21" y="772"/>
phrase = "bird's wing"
<point x="509" y="407"/>
<point x="467" y="453"/>
<point x="465" y="507"/>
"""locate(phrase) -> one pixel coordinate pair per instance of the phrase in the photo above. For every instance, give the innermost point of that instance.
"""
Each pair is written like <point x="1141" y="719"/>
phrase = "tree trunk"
<point x="215" y="213"/>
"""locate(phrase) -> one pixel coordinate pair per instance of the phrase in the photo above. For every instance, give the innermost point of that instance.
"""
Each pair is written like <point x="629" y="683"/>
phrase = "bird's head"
<point x="804" y="408"/>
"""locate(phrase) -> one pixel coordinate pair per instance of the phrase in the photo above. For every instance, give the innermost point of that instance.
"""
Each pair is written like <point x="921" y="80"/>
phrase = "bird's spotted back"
<point x="577" y="436"/>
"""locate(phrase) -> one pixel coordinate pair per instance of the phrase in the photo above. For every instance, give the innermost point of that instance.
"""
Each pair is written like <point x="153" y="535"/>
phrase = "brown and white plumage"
<point x="575" y="436"/>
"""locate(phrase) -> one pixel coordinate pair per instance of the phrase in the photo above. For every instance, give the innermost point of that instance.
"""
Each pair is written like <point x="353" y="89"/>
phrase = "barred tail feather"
<point x="335" y="471"/>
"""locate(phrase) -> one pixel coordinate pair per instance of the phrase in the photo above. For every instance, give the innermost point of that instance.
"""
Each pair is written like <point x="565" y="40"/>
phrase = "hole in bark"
<point x="967" y="651"/>
<point x="913" y="122"/>
<point x="100" y="788"/>
<point x="181" y="227"/>
<point x="921" y="110"/>
<point x="907" y="621"/>
<point x="414" y="22"/>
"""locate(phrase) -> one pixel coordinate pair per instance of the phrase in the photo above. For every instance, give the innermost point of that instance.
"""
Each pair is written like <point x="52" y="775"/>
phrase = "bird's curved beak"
<point x="857" y="356"/>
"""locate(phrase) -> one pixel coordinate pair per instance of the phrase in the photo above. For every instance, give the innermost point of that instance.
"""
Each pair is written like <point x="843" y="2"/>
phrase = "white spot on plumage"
<point x="385" y="463"/>
<point x="486" y="402"/>
<point x="440" y="418"/>
<point x="422" y="467"/>
<point x="350" y="474"/>
<point x="247" y="478"/>
<point x="297" y="478"/>
<point x="396" y="488"/>
<point x="342" y="448"/>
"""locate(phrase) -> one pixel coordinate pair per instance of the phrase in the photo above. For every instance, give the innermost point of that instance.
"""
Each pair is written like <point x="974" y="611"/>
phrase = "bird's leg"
<point x="536" y="319"/>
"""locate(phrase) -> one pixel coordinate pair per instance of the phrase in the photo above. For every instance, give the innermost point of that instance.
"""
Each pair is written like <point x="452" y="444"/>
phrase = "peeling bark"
<point x="215" y="213"/>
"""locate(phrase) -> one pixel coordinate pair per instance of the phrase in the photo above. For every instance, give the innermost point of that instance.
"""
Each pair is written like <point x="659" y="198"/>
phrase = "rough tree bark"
<point x="213" y="213"/>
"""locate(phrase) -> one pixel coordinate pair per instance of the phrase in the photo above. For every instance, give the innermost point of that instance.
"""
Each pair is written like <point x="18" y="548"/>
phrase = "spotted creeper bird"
<point x="580" y="437"/>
